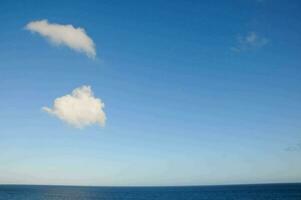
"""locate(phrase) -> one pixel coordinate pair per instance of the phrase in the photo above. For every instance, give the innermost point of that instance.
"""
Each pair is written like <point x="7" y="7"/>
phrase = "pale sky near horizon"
<point x="150" y="92"/>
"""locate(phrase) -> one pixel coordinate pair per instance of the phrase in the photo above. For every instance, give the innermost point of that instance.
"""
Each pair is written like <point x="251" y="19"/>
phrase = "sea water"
<point x="234" y="192"/>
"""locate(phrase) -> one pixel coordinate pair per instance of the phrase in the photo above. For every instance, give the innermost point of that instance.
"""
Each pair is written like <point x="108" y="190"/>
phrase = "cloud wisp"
<point x="296" y="147"/>
<point x="79" y="109"/>
<point x="58" y="34"/>
<point x="250" y="41"/>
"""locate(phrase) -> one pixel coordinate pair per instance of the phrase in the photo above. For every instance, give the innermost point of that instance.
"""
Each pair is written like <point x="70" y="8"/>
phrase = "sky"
<point x="125" y="93"/>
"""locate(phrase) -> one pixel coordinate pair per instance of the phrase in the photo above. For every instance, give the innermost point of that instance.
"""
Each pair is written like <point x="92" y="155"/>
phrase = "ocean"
<point x="233" y="192"/>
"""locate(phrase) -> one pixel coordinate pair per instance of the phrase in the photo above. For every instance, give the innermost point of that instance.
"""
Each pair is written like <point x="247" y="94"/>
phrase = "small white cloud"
<point x="74" y="38"/>
<point x="249" y="41"/>
<point x="80" y="108"/>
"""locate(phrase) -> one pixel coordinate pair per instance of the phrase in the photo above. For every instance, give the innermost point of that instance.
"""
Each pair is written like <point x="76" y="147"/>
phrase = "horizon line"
<point x="136" y="186"/>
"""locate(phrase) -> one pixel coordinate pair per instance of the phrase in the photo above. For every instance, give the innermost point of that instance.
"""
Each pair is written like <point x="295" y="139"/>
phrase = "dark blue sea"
<point x="235" y="192"/>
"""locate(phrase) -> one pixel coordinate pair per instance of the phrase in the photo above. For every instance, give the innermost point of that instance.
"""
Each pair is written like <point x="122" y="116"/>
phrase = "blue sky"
<point x="194" y="92"/>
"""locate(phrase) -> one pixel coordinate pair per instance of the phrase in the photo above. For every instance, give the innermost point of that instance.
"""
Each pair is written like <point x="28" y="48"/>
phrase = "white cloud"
<point x="249" y="41"/>
<point x="75" y="38"/>
<point x="80" y="108"/>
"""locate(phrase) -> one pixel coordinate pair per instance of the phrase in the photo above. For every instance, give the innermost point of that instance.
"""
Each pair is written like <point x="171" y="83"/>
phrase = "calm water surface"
<point x="238" y="192"/>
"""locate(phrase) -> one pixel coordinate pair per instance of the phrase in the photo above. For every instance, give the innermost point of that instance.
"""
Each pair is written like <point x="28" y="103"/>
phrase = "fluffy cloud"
<point x="251" y="40"/>
<point x="80" y="108"/>
<point x="75" y="38"/>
